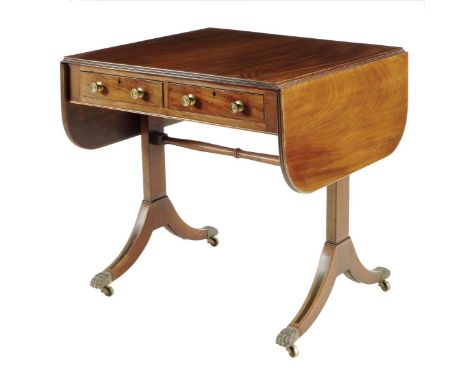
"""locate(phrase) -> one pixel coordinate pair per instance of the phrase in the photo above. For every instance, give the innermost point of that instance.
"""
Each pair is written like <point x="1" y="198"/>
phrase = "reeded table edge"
<point x="229" y="80"/>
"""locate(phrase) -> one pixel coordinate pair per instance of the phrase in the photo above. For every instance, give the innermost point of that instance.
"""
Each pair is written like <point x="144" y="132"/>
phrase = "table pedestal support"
<point x="156" y="210"/>
<point x="338" y="257"/>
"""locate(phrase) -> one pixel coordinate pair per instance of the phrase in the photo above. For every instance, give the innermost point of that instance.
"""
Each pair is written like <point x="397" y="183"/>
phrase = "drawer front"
<point x="216" y="102"/>
<point x="110" y="90"/>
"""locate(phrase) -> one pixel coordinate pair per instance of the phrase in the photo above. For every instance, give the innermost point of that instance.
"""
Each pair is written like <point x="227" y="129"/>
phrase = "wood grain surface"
<point x="92" y="127"/>
<point x="261" y="114"/>
<point x="117" y="88"/>
<point x="334" y="125"/>
<point x="336" y="106"/>
<point x="238" y="57"/>
<point x="213" y="101"/>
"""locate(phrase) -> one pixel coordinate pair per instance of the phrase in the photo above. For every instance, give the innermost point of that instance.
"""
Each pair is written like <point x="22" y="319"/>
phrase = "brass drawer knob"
<point x="188" y="100"/>
<point x="137" y="93"/>
<point x="236" y="107"/>
<point x="96" y="87"/>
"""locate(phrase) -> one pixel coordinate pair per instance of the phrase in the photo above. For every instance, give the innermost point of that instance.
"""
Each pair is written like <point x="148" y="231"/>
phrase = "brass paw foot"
<point x="101" y="280"/>
<point x="211" y="232"/>
<point x="286" y="338"/>
<point x="385" y="274"/>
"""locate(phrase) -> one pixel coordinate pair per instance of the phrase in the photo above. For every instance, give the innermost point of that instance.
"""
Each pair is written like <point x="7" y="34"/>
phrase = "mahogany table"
<point x="335" y="107"/>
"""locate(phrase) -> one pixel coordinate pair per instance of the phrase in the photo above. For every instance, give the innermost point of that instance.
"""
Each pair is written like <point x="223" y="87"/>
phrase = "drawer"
<point x="216" y="102"/>
<point x="120" y="91"/>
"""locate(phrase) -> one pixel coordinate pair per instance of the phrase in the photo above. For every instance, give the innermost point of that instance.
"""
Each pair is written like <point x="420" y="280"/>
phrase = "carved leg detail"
<point x="338" y="256"/>
<point x="152" y="215"/>
<point x="357" y="272"/>
<point x="180" y="228"/>
<point x="136" y="243"/>
<point x="156" y="210"/>
<point x="335" y="260"/>
<point x="332" y="263"/>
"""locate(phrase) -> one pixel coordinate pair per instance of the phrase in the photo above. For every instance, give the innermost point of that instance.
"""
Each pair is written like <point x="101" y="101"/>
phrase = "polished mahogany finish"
<point x="217" y="149"/>
<point x="162" y="96"/>
<point x="239" y="57"/>
<point x="213" y="101"/>
<point x="92" y="127"/>
<point x="118" y="89"/>
<point x="356" y="117"/>
<point x="335" y="107"/>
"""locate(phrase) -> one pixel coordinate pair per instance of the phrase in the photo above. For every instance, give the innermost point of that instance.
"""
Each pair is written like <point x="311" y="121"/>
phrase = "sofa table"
<point x="335" y="107"/>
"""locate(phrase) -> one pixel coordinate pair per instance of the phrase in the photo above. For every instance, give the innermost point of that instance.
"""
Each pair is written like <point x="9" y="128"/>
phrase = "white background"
<point x="187" y="311"/>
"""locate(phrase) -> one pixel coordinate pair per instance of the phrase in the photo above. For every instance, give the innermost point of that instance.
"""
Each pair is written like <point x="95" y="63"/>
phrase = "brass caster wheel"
<point x="384" y="285"/>
<point x="213" y="241"/>
<point x="107" y="290"/>
<point x="293" y="351"/>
